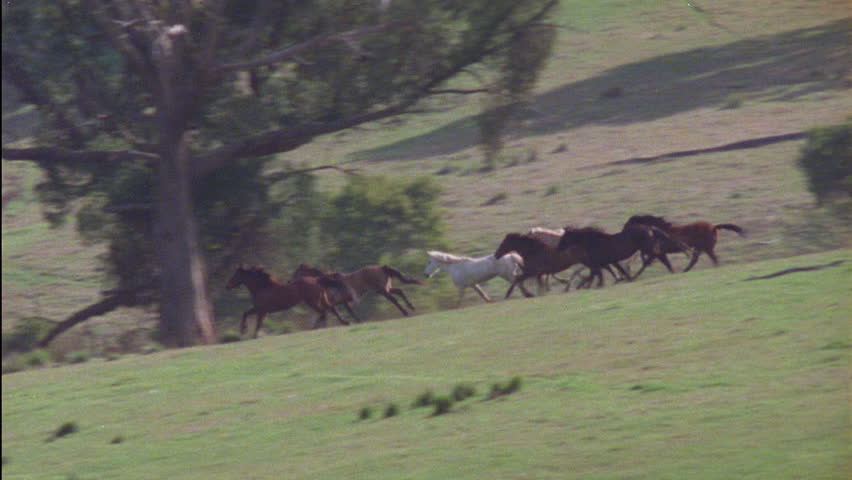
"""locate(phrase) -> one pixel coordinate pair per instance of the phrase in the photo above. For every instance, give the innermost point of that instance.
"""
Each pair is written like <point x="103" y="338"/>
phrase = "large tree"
<point x="187" y="88"/>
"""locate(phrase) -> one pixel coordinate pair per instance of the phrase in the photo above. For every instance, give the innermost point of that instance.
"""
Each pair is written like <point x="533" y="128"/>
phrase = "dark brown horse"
<point x="603" y="249"/>
<point x="269" y="296"/>
<point x="335" y="296"/>
<point x="700" y="236"/>
<point x="539" y="258"/>
<point x="372" y="278"/>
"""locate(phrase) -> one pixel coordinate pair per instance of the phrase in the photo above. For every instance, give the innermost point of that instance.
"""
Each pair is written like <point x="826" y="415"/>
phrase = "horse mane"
<point x="659" y="222"/>
<point x="551" y="231"/>
<point x="445" y="257"/>
<point x="526" y="239"/>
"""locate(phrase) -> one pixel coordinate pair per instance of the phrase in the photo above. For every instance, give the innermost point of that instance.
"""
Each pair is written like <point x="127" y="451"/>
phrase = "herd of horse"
<point x="539" y="253"/>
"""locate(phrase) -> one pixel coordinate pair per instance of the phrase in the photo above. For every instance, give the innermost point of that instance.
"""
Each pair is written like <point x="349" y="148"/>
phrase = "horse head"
<point x="432" y="267"/>
<point x="248" y="275"/>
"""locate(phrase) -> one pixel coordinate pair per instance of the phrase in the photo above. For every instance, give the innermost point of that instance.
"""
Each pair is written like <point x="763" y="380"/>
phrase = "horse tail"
<point x="343" y="289"/>
<point x="730" y="226"/>
<point x="392" y="272"/>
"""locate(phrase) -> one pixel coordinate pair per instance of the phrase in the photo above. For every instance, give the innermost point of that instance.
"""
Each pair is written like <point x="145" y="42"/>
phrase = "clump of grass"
<point x="365" y="413"/>
<point x="443" y="404"/>
<point x="551" y="190"/>
<point x="391" y="410"/>
<point x="64" y="430"/>
<point x="37" y="358"/>
<point x="424" y="399"/>
<point x="508" y="388"/>
<point x="463" y="391"/>
<point x="78" y="356"/>
<point x="116" y="440"/>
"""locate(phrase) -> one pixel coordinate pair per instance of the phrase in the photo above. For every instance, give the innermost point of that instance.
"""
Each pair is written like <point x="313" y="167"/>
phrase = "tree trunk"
<point x="186" y="314"/>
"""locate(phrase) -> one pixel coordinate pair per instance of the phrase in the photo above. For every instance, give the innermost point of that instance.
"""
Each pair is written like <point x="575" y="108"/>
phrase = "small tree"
<point x="826" y="160"/>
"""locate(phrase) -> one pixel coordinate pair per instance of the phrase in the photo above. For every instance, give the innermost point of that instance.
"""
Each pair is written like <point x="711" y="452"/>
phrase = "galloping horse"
<point x="372" y="278"/>
<point x="700" y="236"/>
<point x="604" y="249"/>
<point x="539" y="258"/>
<point x="269" y="296"/>
<point x="470" y="272"/>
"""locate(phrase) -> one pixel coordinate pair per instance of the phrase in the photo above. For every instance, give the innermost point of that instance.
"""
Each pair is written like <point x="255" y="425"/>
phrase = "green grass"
<point x="701" y="375"/>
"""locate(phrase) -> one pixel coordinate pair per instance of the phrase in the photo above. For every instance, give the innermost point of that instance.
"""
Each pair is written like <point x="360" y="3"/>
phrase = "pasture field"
<point x="703" y="375"/>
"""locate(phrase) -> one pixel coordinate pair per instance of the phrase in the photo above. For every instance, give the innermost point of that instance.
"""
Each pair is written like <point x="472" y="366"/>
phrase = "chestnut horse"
<point x="372" y="278"/>
<point x="603" y="249"/>
<point x="700" y="236"/>
<point x="269" y="296"/>
<point x="539" y="258"/>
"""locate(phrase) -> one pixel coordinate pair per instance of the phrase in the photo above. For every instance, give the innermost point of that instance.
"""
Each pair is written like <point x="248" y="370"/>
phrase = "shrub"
<point x="37" y="358"/>
<point x="443" y="404"/>
<point x="117" y="439"/>
<point x="25" y="334"/>
<point x="424" y="399"/>
<point x="78" y="356"/>
<point x="826" y="160"/>
<point x="463" y="391"/>
<point x="498" y="389"/>
<point x="66" y="428"/>
<point x="391" y="410"/>
<point x="366" y="413"/>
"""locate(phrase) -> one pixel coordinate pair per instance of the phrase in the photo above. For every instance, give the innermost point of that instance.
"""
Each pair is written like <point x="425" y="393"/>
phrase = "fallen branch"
<point x="796" y="269"/>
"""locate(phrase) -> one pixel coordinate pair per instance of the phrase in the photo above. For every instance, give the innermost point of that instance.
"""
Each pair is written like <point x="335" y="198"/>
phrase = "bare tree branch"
<point x="312" y="44"/>
<point x="286" y="139"/>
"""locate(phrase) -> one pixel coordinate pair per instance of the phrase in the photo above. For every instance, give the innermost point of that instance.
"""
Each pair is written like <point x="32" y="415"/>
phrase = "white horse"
<point x="470" y="272"/>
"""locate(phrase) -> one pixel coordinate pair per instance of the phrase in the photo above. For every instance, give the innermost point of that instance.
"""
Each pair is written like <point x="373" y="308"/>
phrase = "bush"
<point x="424" y="399"/>
<point x="65" y="429"/>
<point x="25" y="334"/>
<point x="366" y="413"/>
<point x="78" y="356"/>
<point x="443" y="404"/>
<point x="463" y="391"/>
<point x="391" y="410"/>
<point x="37" y="358"/>
<point x="826" y="160"/>
<point x="230" y="336"/>
<point x="499" y="390"/>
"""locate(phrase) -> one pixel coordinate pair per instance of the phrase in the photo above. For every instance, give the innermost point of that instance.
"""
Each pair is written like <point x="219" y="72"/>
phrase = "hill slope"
<point x="701" y="375"/>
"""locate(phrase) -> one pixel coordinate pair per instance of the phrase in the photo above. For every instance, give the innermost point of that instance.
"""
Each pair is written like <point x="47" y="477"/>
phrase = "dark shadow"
<point x="782" y="67"/>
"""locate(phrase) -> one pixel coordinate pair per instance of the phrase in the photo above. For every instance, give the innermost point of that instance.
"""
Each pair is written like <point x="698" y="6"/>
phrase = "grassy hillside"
<point x="688" y="78"/>
<point x="702" y="375"/>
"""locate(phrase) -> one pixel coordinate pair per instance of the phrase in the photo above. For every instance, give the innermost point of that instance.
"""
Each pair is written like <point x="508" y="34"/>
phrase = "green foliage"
<point x="365" y="413"/>
<point x="230" y="336"/>
<point x="78" y="356"/>
<point x="37" y="358"/>
<point x="391" y="410"/>
<point x="66" y="429"/>
<point x="826" y="160"/>
<point x="425" y="399"/>
<point x="463" y="391"/>
<point x="25" y="334"/>
<point x="379" y="216"/>
<point x="508" y="388"/>
<point x="443" y="404"/>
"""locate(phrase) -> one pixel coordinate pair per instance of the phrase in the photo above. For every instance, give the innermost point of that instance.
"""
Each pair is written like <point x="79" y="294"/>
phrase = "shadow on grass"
<point x="782" y="67"/>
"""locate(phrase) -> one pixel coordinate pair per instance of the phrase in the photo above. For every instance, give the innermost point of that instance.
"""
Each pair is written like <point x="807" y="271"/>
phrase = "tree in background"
<point x="826" y="160"/>
<point x="163" y="115"/>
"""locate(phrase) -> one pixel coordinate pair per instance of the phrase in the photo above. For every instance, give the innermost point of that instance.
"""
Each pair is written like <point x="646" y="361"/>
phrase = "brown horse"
<point x="336" y="296"/>
<point x="603" y="249"/>
<point x="372" y="278"/>
<point x="269" y="296"/>
<point x="539" y="258"/>
<point x="700" y="236"/>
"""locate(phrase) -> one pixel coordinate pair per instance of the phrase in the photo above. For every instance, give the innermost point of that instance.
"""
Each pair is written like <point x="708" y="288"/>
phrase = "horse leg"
<point x="243" y="321"/>
<point x="401" y="294"/>
<point x="693" y="261"/>
<point x="393" y="301"/>
<point x="351" y="313"/>
<point x="260" y="317"/>
<point x="621" y="270"/>
<point x="524" y="290"/>
<point x="713" y="257"/>
<point x="663" y="258"/>
<point x="336" y="314"/>
<point x="481" y="292"/>
<point x="512" y="287"/>
<point x="320" y="320"/>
